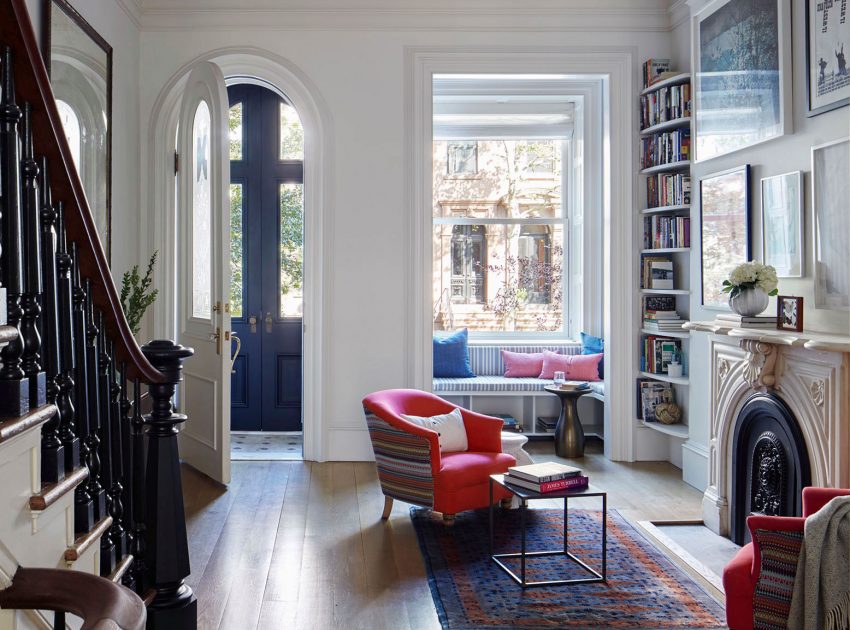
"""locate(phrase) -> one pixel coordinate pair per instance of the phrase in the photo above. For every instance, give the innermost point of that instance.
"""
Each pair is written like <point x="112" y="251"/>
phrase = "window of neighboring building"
<point x="468" y="253"/>
<point x="537" y="275"/>
<point x="462" y="158"/>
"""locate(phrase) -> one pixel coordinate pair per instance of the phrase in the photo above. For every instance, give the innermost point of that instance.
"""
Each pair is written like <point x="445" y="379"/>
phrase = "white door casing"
<point x="204" y="274"/>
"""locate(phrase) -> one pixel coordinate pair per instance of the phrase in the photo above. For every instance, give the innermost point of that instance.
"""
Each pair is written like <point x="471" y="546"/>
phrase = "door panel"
<point x="267" y="165"/>
<point x="204" y="271"/>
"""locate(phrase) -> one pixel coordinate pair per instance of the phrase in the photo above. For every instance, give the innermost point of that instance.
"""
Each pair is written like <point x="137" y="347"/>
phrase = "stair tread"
<point x="83" y="542"/>
<point x="121" y="569"/>
<point x="10" y="427"/>
<point x="52" y="492"/>
<point x="8" y="333"/>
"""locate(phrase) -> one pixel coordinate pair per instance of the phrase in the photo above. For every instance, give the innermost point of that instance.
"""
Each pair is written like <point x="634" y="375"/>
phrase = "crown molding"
<point x="133" y="9"/>
<point x="680" y="12"/>
<point x="541" y="16"/>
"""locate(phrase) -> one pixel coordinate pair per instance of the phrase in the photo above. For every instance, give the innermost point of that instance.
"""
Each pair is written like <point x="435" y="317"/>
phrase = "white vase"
<point x="749" y="302"/>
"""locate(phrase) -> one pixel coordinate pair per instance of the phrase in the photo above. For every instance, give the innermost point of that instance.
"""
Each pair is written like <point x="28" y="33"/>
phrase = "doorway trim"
<point x="159" y="226"/>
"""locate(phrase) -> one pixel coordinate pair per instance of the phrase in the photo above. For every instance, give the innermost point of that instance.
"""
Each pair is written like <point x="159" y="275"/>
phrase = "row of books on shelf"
<point x="650" y="394"/>
<point x="668" y="103"/>
<point x="657" y="272"/>
<point x="665" y="148"/>
<point x="655" y="70"/>
<point x="664" y="231"/>
<point x="546" y="477"/>
<point x="668" y="189"/>
<point x="658" y="352"/>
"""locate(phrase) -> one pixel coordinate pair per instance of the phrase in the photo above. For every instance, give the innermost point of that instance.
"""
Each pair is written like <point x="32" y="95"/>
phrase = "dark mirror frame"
<point x="88" y="29"/>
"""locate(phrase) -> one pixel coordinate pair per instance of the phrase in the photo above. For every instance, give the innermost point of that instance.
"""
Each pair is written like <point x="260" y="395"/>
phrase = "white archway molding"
<point x="159" y="225"/>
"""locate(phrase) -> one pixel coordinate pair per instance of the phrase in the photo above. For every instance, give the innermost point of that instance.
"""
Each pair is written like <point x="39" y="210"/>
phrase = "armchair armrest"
<point x="769" y="523"/>
<point x="815" y="498"/>
<point x="483" y="433"/>
<point x="401" y="424"/>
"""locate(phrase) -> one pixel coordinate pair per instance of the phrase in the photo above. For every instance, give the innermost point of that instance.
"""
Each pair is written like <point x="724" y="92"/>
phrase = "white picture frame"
<point x="782" y="228"/>
<point x="742" y="93"/>
<point x="831" y="224"/>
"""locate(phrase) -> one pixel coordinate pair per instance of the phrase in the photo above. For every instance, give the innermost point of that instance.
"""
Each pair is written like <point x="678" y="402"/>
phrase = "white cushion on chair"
<point x="449" y="428"/>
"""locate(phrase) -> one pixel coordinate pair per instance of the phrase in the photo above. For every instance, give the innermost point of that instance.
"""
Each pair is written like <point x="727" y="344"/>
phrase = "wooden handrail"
<point x="33" y="85"/>
<point x="99" y="602"/>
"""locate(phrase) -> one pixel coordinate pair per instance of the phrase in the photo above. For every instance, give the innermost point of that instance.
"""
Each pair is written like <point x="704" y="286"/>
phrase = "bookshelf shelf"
<point x="676" y="430"/>
<point x="667" y="209"/>
<point x="681" y="380"/>
<point x="665" y="291"/>
<point x="666" y="333"/>
<point x="684" y="165"/>
<point x="666" y="250"/>
<point x="679" y="79"/>
<point x="676" y="123"/>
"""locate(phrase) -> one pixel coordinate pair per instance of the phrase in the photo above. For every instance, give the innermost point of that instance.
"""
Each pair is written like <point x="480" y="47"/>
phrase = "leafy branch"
<point x="136" y="295"/>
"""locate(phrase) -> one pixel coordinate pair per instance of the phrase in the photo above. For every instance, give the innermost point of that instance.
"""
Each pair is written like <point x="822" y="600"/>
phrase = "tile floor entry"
<point x="258" y="446"/>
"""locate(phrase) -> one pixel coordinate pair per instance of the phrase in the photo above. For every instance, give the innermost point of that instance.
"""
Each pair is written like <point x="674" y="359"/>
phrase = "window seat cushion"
<point x="500" y="384"/>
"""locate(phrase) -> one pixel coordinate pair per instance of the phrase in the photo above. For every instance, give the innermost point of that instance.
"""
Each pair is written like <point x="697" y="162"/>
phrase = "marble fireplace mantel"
<point x="809" y="371"/>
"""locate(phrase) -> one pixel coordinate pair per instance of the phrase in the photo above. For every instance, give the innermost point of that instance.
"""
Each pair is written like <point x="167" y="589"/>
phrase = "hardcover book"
<point x="544" y="471"/>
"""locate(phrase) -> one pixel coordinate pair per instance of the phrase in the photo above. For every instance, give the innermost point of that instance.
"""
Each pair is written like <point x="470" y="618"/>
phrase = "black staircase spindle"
<point x="33" y="287"/>
<point x="108" y="560"/>
<point x="116" y="501"/>
<point x="14" y="388"/>
<point x="65" y="330"/>
<point x="137" y="491"/>
<point x="174" y="605"/>
<point x="84" y="516"/>
<point x="91" y="384"/>
<point x="126" y="454"/>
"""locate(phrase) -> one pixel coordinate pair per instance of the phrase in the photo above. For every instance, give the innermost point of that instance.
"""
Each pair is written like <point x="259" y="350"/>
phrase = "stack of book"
<point x="663" y="231"/>
<point x="657" y="273"/>
<point x="668" y="189"/>
<point x="511" y="423"/>
<point x="662" y="320"/>
<point x="654" y="70"/>
<point x="658" y="352"/>
<point x="665" y="148"/>
<point x="667" y="103"/>
<point x="547" y="423"/>
<point x="759" y="321"/>
<point x="546" y="477"/>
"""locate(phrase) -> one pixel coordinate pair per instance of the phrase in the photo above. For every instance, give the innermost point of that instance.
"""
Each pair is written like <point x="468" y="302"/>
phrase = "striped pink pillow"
<point x="576" y="367"/>
<point x="521" y="364"/>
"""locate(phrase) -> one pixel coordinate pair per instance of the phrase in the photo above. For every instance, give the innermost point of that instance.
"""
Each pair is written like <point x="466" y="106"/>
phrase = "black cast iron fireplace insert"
<point x="770" y="463"/>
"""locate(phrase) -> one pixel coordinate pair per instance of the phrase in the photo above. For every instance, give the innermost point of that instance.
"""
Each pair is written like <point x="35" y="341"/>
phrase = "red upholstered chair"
<point x="741" y="576"/>
<point x="410" y="465"/>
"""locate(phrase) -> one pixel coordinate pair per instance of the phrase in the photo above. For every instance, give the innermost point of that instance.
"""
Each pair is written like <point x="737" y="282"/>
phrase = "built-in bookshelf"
<point x="664" y="244"/>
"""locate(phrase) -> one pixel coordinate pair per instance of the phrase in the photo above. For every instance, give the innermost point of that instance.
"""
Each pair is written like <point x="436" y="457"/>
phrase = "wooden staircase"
<point x="89" y="484"/>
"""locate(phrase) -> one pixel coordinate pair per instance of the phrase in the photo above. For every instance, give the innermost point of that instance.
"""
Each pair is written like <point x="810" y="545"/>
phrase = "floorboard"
<point x="298" y="544"/>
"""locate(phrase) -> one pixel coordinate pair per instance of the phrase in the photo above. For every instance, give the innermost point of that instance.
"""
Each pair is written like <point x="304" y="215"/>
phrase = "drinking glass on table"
<point x="559" y="379"/>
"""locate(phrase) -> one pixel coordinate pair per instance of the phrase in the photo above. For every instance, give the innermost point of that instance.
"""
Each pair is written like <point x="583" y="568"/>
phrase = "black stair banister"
<point x="108" y="555"/>
<point x="139" y="569"/>
<point x="116" y="489"/>
<point x="65" y="331"/>
<point x="14" y="388"/>
<point x="96" y="491"/>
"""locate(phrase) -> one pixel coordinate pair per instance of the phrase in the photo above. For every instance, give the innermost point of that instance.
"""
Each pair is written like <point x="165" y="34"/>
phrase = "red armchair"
<point x="410" y="465"/>
<point x="741" y="575"/>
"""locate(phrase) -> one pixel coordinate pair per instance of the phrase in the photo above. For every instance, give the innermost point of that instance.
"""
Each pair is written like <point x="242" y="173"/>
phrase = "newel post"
<point x="167" y="549"/>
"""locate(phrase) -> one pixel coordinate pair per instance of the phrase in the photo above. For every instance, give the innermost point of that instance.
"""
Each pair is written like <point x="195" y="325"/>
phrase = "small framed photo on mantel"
<point x="789" y="313"/>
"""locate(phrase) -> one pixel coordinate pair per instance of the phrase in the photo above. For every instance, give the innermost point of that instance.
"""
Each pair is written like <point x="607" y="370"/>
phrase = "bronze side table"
<point x="569" y="434"/>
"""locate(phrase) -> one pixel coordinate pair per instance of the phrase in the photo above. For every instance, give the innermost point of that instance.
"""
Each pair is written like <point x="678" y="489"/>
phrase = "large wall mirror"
<point x="80" y="65"/>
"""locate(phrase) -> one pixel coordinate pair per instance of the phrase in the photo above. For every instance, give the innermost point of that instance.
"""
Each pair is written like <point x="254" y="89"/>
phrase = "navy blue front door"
<point x="266" y="191"/>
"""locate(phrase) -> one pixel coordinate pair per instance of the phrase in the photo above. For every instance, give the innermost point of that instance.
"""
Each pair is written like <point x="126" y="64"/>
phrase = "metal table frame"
<point x="524" y="497"/>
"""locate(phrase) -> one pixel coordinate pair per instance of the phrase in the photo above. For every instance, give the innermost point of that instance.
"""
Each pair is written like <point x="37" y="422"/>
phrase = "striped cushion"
<point x="772" y="597"/>
<point x="403" y="461"/>
<point x="500" y="384"/>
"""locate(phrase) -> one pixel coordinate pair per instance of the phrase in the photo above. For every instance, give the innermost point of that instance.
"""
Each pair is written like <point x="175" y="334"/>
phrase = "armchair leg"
<point x="505" y="503"/>
<point x="388" y="507"/>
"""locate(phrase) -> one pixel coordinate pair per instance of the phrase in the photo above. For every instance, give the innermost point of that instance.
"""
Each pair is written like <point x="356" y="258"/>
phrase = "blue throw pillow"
<point x="594" y="345"/>
<point x="451" y="356"/>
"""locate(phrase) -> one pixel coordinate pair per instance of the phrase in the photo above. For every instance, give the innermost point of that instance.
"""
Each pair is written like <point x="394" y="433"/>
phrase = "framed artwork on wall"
<point x="782" y="223"/>
<point x="742" y="82"/>
<point x="831" y="224"/>
<point x="725" y="230"/>
<point x="827" y="52"/>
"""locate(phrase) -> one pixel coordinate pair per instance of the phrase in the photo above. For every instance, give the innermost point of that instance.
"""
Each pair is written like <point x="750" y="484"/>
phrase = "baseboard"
<point x="349" y="445"/>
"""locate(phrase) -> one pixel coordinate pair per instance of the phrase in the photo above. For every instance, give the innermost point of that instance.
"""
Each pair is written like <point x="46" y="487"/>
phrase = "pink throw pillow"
<point x="521" y="364"/>
<point x="576" y="367"/>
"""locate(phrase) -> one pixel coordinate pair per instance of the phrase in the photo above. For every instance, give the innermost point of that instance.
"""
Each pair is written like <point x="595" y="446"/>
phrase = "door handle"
<point x="252" y="322"/>
<point x="216" y="336"/>
<point x="269" y="322"/>
<point x="235" y="354"/>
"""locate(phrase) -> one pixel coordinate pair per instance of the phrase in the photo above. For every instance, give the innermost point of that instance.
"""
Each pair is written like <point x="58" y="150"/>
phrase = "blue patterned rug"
<point x="644" y="589"/>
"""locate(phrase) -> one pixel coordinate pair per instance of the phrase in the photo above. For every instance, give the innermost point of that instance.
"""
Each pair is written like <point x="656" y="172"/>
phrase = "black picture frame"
<point x="781" y="302"/>
<point x="810" y="112"/>
<point x="720" y="272"/>
<point x="46" y="53"/>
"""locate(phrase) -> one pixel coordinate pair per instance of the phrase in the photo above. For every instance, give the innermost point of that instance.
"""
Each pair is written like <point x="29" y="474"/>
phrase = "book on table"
<point x="570" y="483"/>
<point x="544" y="471"/>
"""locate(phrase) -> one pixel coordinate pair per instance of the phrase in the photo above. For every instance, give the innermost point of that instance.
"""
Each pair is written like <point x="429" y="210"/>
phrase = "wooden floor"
<point x="301" y="545"/>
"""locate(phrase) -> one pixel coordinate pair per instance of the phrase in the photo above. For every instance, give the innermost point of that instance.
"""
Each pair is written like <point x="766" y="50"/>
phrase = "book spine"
<point x="564" y="484"/>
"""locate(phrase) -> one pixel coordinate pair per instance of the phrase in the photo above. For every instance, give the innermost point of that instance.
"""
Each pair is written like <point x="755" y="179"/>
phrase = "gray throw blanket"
<point x="821" y="599"/>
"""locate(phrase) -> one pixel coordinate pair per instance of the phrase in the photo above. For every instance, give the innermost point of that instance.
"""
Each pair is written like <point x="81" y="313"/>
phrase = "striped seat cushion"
<point x="500" y="384"/>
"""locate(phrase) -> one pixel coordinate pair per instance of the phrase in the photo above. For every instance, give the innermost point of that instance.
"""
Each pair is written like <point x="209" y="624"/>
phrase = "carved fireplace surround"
<point x="809" y="371"/>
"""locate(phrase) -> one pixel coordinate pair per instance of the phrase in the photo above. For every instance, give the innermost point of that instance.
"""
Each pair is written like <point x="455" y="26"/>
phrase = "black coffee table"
<point x="524" y="497"/>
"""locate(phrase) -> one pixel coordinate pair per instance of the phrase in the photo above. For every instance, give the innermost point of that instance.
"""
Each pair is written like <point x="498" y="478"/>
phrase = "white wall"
<point x="788" y="153"/>
<point x="117" y="24"/>
<point x="359" y="71"/>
